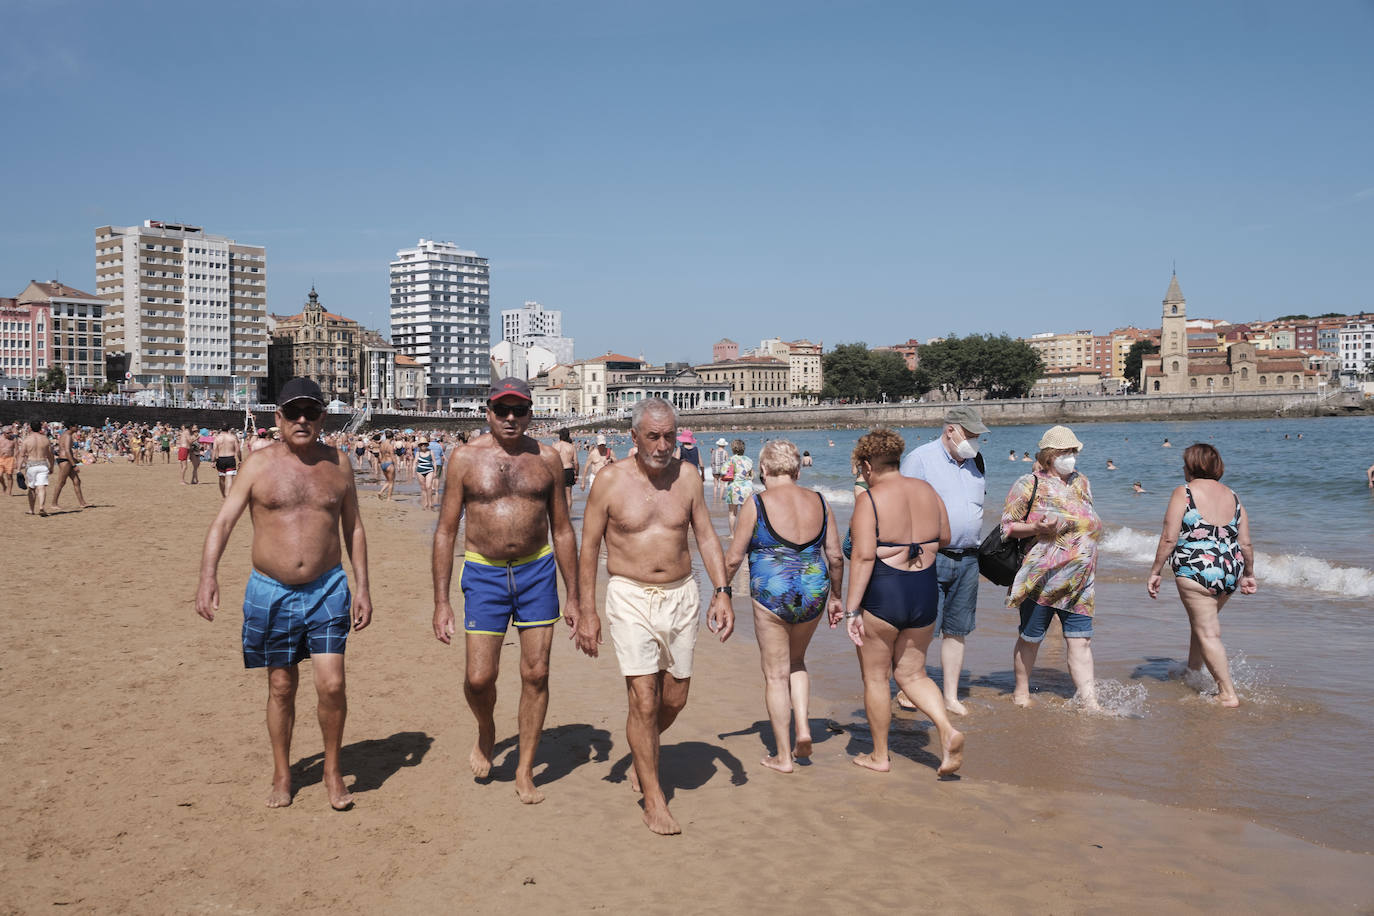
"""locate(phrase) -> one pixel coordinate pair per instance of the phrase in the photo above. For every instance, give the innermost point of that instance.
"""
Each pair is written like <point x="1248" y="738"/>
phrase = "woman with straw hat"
<point x="1054" y="505"/>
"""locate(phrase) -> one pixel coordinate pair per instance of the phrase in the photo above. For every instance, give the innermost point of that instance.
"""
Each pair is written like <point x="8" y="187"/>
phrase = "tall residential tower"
<point x="441" y="317"/>
<point x="188" y="309"/>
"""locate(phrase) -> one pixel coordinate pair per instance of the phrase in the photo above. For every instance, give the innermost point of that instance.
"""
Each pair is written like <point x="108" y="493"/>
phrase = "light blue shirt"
<point x="958" y="483"/>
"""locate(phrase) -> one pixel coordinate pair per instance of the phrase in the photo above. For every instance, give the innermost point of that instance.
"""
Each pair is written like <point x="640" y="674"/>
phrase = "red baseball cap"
<point x="508" y="387"/>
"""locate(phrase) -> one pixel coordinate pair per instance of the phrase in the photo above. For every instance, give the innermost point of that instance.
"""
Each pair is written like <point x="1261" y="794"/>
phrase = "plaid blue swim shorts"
<point x="283" y="624"/>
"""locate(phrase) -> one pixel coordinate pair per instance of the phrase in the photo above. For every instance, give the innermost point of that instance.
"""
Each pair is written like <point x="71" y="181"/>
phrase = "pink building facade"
<point x="25" y="339"/>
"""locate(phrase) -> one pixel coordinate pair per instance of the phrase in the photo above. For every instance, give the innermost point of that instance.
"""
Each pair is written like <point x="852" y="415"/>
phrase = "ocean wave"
<point x="1292" y="570"/>
<point x="837" y="496"/>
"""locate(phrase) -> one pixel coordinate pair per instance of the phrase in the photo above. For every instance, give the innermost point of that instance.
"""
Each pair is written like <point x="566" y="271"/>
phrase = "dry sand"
<point x="138" y="764"/>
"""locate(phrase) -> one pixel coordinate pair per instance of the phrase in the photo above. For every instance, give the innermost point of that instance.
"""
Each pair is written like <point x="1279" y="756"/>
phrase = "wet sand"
<point x="139" y="764"/>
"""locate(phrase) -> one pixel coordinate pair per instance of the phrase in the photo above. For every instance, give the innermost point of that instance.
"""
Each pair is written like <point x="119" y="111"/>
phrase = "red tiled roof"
<point x="62" y="291"/>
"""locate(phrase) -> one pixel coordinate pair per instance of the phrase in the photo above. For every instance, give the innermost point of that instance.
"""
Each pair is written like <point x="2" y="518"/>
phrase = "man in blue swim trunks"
<point x="512" y="489"/>
<point x="297" y="604"/>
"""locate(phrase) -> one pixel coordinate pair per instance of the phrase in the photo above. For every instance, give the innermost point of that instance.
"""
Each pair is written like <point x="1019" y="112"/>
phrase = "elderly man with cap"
<point x="297" y="604"/>
<point x="952" y="465"/>
<point x="512" y="489"/>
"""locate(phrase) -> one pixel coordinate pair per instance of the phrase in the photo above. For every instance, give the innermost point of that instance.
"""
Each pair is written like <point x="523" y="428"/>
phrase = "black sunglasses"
<point x="509" y="410"/>
<point x="294" y="411"/>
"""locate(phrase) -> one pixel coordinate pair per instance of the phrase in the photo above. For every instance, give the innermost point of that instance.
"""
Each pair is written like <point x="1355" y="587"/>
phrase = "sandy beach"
<point x="139" y="764"/>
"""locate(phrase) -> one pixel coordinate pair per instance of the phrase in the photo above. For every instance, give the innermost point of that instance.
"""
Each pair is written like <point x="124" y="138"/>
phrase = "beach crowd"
<point x="915" y="550"/>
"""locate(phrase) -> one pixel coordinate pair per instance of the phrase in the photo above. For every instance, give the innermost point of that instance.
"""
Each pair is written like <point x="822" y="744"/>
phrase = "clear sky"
<point x="669" y="174"/>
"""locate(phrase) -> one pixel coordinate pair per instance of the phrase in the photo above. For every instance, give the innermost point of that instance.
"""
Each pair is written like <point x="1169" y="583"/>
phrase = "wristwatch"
<point x="726" y="590"/>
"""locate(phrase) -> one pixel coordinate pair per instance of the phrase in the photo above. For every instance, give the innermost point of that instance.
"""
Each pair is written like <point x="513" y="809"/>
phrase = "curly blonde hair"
<point x="880" y="447"/>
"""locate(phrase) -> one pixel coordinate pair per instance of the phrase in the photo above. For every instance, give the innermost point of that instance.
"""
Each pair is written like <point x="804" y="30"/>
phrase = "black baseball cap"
<point x="299" y="388"/>
<point x="510" y="386"/>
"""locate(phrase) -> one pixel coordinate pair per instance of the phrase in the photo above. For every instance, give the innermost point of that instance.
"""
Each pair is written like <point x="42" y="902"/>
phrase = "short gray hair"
<point x="651" y="405"/>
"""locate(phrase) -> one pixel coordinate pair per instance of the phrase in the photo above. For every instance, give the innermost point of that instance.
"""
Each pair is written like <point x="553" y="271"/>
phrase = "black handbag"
<point x="999" y="558"/>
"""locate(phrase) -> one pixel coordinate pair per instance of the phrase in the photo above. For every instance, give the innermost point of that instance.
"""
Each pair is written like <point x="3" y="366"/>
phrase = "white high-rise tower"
<point x="440" y="316"/>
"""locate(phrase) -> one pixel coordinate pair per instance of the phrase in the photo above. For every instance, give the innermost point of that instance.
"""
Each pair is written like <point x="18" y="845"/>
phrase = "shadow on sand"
<point x="821" y="730"/>
<point x="371" y="762"/>
<point x="689" y="765"/>
<point x="562" y="749"/>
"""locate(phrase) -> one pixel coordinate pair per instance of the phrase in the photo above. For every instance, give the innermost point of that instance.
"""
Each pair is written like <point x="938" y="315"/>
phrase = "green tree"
<point x="855" y="372"/>
<point x="53" y="380"/>
<point x="998" y="366"/>
<point x="1134" y="357"/>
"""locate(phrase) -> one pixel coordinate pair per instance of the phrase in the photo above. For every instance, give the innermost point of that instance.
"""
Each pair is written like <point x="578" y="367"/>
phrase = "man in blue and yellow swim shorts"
<point x="512" y="489"/>
<point x="298" y="604"/>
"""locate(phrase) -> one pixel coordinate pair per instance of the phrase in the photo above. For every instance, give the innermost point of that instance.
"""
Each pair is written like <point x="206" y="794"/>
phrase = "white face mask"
<point x="1064" y="464"/>
<point x="966" y="449"/>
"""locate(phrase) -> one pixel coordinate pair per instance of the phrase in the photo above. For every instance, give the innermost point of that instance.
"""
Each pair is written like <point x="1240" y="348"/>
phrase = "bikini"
<point x="1209" y="554"/>
<point x="791" y="581"/>
<point x="905" y="598"/>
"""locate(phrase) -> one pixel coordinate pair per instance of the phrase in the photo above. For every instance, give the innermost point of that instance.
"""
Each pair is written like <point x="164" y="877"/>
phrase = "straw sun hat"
<point x="1059" y="437"/>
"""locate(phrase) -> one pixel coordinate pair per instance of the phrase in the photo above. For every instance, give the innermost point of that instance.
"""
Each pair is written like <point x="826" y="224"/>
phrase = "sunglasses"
<point x="311" y="412"/>
<point x="510" y="410"/>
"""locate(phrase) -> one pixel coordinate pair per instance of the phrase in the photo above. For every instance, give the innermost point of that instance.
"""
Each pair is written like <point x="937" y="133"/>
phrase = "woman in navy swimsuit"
<point x="1209" y="559"/>
<point x="893" y="595"/>
<point x="795" y="571"/>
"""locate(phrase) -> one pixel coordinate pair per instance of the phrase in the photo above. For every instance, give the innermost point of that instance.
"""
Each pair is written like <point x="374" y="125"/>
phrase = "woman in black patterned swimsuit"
<point x="1209" y="560"/>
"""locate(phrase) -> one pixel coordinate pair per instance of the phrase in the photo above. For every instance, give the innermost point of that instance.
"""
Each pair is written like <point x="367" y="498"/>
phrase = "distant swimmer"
<point x="1025" y="456"/>
<point x="1136" y="487"/>
<point x="297" y="604"/>
<point x="1370" y="474"/>
<point x="1110" y="465"/>
<point x="1167" y="444"/>
<point x="1011" y="456"/>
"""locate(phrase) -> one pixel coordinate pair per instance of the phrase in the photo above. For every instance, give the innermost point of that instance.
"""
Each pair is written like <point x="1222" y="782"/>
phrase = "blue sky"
<point x="668" y="174"/>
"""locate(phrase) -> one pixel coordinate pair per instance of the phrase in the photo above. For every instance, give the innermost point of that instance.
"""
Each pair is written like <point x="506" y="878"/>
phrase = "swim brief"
<point x="495" y="591"/>
<point x="654" y="627"/>
<point x="36" y="475"/>
<point x="283" y="624"/>
<point x="226" y="465"/>
<point x="569" y="477"/>
<point x="6" y="464"/>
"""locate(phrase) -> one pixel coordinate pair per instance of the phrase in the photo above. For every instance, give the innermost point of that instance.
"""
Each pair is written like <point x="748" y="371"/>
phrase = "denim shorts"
<point x="958" y="594"/>
<point x="1035" y="620"/>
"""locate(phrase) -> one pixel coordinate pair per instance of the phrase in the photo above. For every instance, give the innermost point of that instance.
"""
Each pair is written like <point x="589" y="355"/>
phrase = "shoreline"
<point x="147" y="794"/>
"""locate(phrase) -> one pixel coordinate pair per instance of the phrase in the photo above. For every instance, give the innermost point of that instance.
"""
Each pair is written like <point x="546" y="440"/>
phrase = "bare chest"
<point x="501" y="476"/>
<point x="642" y="509"/>
<point x="288" y="489"/>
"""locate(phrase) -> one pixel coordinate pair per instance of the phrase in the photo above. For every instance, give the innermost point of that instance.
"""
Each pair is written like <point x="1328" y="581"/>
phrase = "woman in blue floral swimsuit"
<point x="1209" y="560"/>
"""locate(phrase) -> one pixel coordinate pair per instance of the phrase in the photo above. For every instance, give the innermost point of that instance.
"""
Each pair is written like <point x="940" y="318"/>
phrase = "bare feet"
<point x="1231" y="702"/>
<point x="524" y="787"/>
<point x="904" y="701"/>
<point x="777" y="763"/>
<point x="340" y="799"/>
<point x="480" y="760"/>
<point x="955" y="707"/>
<point x="280" y="795"/>
<point x="1023" y="700"/>
<point x="954" y="754"/>
<point x="803" y="750"/>
<point x="661" y="821"/>
<point x="869" y="762"/>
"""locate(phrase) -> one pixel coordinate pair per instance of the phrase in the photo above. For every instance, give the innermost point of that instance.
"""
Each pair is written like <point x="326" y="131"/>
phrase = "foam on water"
<point x="837" y="496"/>
<point x="1251" y="679"/>
<point x="1114" y="698"/>
<point x="1285" y="569"/>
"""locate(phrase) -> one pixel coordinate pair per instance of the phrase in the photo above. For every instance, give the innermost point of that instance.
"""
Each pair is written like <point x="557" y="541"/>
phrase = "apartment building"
<point x="187" y="309"/>
<point x="1064" y="351"/>
<point x="1357" y="347"/>
<point x="377" y="371"/>
<point x="25" y="339"/>
<point x="76" y="343"/>
<point x="441" y="318"/>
